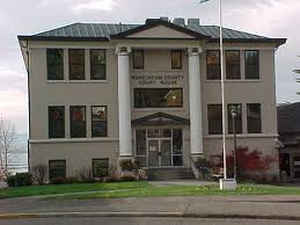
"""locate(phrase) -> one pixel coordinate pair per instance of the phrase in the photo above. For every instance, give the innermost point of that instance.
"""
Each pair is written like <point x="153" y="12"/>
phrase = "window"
<point x="57" y="168"/>
<point x="176" y="59"/>
<point x="138" y="59"/>
<point x="55" y="64"/>
<point x="100" y="167"/>
<point x="99" y="121"/>
<point x="76" y="63"/>
<point x="214" y="113"/>
<point x="141" y="147"/>
<point x="238" y="120"/>
<point x="177" y="147"/>
<point x="78" y="121"/>
<point x="157" y="97"/>
<point x="98" y="64"/>
<point x="213" y="65"/>
<point x="252" y="64"/>
<point x="254" y="118"/>
<point x="233" y="70"/>
<point x="56" y="120"/>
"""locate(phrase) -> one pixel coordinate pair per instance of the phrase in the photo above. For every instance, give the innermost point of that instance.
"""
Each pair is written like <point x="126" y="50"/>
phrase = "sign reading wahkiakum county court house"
<point x="157" y="78"/>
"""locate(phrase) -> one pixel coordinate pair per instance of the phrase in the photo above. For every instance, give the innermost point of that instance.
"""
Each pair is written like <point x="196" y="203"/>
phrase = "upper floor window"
<point x="252" y="64"/>
<point x="55" y="64"/>
<point x="138" y="59"/>
<point x="56" y="121"/>
<point x="213" y="65"/>
<point x="98" y="64"/>
<point x="233" y="68"/>
<point x="78" y="121"/>
<point x="158" y="97"/>
<point x="214" y="114"/>
<point x="238" y="120"/>
<point x="99" y="121"/>
<point x="76" y="64"/>
<point x="176" y="59"/>
<point x="254" y="118"/>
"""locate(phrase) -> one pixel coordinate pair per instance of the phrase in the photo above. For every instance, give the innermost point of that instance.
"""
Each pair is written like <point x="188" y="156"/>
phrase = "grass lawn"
<point x="176" y="190"/>
<point x="68" y="188"/>
<point x="141" y="189"/>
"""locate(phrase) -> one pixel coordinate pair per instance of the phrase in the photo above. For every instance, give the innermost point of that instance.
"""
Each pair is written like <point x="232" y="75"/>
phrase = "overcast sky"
<point x="271" y="18"/>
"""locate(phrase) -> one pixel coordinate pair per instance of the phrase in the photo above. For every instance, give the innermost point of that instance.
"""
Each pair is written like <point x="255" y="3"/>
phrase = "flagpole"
<point x="222" y="90"/>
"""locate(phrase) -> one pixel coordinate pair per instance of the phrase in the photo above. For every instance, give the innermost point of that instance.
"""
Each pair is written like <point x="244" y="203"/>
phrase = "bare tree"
<point x="7" y="141"/>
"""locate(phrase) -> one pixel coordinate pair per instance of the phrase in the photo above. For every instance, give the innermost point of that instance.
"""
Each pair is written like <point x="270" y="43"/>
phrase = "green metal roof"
<point x="96" y="30"/>
<point x="102" y="31"/>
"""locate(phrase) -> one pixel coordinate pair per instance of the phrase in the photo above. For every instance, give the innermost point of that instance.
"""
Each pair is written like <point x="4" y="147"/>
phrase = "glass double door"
<point x="159" y="152"/>
<point x="159" y="147"/>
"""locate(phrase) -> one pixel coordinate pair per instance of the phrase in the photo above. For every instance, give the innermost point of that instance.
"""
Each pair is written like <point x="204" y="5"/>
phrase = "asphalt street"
<point x="142" y="221"/>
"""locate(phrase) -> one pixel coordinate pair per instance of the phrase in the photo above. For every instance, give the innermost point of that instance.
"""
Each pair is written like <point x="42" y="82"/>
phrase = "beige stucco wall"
<point x="45" y="93"/>
<point x="78" y="155"/>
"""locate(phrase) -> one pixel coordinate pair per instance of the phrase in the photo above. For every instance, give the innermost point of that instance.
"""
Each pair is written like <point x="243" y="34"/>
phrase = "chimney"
<point x="194" y="21"/>
<point x="164" y="18"/>
<point x="179" y="21"/>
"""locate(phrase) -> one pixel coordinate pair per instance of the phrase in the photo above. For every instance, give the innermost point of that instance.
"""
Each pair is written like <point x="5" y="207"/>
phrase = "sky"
<point x="271" y="18"/>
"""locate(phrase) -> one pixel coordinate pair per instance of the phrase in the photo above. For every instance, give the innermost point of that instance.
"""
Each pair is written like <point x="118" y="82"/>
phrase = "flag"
<point x="203" y="1"/>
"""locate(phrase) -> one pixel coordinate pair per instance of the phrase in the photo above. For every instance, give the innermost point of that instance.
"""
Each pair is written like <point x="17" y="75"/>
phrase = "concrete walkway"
<point x="250" y="207"/>
<point x="182" y="183"/>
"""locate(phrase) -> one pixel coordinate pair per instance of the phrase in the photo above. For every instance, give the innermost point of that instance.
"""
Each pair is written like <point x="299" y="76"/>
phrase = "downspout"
<point x="29" y="105"/>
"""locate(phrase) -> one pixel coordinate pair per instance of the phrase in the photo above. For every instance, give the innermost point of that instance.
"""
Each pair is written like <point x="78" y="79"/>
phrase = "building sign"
<point x="156" y="79"/>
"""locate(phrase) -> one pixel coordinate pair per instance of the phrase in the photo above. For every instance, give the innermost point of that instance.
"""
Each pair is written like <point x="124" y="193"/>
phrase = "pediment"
<point x="161" y="31"/>
<point x="160" y="119"/>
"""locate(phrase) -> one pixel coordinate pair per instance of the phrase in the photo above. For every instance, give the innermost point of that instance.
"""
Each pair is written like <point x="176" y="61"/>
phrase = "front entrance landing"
<point x="160" y="148"/>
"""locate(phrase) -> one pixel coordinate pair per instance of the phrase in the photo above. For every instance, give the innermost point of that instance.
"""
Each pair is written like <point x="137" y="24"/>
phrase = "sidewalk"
<point x="259" y="207"/>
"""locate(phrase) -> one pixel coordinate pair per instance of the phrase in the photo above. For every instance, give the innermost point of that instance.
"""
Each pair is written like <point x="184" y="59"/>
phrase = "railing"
<point x="195" y="170"/>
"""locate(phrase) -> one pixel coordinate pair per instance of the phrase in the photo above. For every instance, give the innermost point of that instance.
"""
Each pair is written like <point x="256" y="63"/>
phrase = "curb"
<point x="14" y="216"/>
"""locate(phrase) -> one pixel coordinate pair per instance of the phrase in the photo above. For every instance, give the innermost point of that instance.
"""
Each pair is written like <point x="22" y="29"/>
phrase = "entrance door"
<point x="159" y="147"/>
<point x="160" y="152"/>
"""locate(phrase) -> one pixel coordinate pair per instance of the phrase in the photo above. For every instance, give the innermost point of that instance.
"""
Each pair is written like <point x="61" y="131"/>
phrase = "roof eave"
<point x="52" y="38"/>
<point x="277" y="41"/>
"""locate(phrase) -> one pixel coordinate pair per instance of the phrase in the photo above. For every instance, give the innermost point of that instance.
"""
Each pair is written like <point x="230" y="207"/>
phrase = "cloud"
<point x="102" y="5"/>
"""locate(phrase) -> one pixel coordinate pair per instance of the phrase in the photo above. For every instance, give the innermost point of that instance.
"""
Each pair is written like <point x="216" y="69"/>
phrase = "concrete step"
<point x="170" y="173"/>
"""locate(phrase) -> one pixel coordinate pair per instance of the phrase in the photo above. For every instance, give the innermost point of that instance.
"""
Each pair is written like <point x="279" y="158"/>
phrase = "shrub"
<point x="58" y="180"/>
<point x="128" y="164"/>
<point x="71" y="180"/>
<point x="204" y="167"/>
<point x="11" y="181"/>
<point x="113" y="175"/>
<point x="249" y="163"/>
<point x="20" y="179"/>
<point x="39" y="174"/>
<point x="128" y="177"/>
<point x="142" y="175"/>
<point x="85" y="175"/>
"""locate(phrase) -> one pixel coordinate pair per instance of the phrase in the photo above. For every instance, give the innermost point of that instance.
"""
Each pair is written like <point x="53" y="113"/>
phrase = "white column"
<point x="125" y="132"/>
<point x="196" y="135"/>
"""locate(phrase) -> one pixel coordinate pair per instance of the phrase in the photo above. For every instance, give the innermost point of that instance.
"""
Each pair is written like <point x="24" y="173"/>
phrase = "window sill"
<point x="76" y="81"/>
<point x="72" y="140"/>
<point x="258" y="135"/>
<point x="158" y="109"/>
<point x="234" y="81"/>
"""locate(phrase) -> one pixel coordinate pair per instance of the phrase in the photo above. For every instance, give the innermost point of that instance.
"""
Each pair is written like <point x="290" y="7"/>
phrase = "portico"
<point x="180" y="88"/>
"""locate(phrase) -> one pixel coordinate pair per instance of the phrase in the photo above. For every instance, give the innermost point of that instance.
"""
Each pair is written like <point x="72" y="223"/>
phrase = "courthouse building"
<point x="102" y="92"/>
